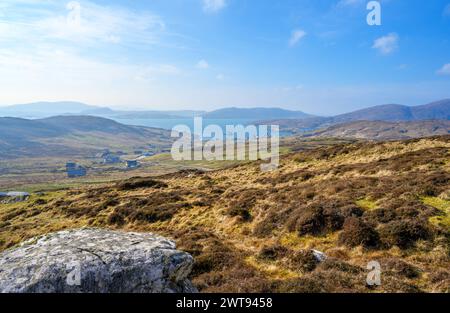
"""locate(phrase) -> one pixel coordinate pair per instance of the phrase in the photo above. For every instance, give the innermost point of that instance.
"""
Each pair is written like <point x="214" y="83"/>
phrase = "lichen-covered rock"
<point x="95" y="261"/>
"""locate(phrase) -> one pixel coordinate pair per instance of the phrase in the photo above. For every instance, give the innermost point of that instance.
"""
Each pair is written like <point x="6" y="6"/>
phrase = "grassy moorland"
<point x="48" y="172"/>
<point x="251" y="231"/>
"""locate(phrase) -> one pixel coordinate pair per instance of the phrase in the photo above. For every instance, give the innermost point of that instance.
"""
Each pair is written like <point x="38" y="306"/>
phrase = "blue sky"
<point x="319" y="56"/>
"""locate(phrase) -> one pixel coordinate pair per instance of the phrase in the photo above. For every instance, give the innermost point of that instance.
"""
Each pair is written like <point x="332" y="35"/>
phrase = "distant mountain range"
<point x="286" y="118"/>
<point x="395" y="112"/>
<point x="45" y="109"/>
<point x="381" y="130"/>
<point x="439" y="110"/>
<point x="48" y="109"/>
<point x="74" y="135"/>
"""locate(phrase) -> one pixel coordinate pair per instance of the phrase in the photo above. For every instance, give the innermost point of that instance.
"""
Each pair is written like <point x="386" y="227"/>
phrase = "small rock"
<point x="320" y="256"/>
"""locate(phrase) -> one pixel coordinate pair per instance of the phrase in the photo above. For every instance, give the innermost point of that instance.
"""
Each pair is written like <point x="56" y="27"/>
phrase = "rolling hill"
<point x="439" y="110"/>
<point x="379" y="130"/>
<point x="73" y="135"/>
<point x="396" y="112"/>
<point x="44" y="109"/>
<point x="48" y="109"/>
<point x="254" y="113"/>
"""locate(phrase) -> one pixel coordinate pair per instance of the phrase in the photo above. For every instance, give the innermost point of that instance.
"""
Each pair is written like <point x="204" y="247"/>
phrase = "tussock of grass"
<point x="444" y="207"/>
<point x="366" y="204"/>
<point x="295" y="242"/>
<point x="271" y="269"/>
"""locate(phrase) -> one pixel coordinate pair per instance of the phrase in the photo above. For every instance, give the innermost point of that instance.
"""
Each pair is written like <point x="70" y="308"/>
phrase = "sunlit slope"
<point x="254" y="231"/>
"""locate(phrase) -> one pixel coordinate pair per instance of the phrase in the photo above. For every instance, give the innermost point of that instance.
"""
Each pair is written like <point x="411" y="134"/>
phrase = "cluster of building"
<point x="13" y="196"/>
<point x="115" y="159"/>
<point x="111" y="158"/>
<point x="74" y="170"/>
<point x="132" y="163"/>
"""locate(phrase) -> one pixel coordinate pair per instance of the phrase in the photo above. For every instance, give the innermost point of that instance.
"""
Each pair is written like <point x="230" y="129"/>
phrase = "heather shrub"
<point x="303" y="261"/>
<point x="140" y="182"/>
<point x="398" y="267"/>
<point x="316" y="220"/>
<point x="404" y="233"/>
<point x="243" y="213"/>
<point x="272" y="252"/>
<point x="356" y="232"/>
<point x="380" y="215"/>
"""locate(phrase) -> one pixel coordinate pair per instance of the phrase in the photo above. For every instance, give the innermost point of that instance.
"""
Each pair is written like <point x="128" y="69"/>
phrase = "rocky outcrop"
<point x="96" y="261"/>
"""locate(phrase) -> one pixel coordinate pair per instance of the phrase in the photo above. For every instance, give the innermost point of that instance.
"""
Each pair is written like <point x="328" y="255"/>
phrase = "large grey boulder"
<point x="98" y="261"/>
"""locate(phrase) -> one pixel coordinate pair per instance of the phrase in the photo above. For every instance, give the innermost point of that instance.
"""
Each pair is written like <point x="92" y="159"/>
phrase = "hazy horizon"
<point x="125" y="108"/>
<point x="320" y="57"/>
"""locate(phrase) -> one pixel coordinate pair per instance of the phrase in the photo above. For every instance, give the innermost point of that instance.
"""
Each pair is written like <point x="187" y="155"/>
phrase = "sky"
<point x="317" y="56"/>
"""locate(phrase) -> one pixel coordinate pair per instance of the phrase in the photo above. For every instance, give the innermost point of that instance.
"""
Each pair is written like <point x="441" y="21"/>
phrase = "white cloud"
<point x="445" y="70"/>
<point x="202" y="64"/>
<point x="212" y="6"/>
<point x="296" y="36"/>
<point x="447" y="10"/>
<point x="54" y="75"/>
<point x="349" y="3"/>
<point x="386" y="44"/>
<point x="220" y="77"/>
<point x="83" y="22"/>
<point x="53" y="57"/>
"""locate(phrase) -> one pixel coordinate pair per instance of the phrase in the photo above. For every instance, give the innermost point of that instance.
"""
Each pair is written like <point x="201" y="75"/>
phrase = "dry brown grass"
<point x="252" y="231"/>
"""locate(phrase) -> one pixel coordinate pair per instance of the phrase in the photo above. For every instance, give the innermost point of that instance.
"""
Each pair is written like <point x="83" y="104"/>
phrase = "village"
<point x="106" y="157"/>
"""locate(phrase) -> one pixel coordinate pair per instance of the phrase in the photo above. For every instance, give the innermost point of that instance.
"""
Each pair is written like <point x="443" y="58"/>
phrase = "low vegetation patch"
<point x="443" y="205"/>
<point x="139" y="182"/>
<point x="358" y="233"/>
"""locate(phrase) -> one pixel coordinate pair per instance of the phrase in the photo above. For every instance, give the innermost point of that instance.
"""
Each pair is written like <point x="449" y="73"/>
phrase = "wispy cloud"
<point x="52" y="75"/>
<point x="296" y="36"/>
<point x="446" y="10"/>
<point x="445" y="70"/>
<point x="212" y="6"/>
<point x="349" y="3"/>
<point x="202" y="64"/>
<point x="49" y="50"/>
<point x="78" y="22"/>
<point x="386" y="44"/>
